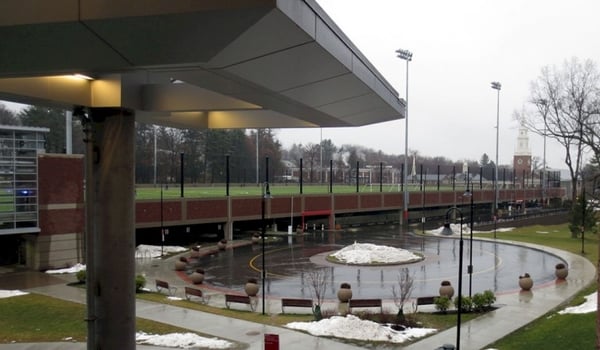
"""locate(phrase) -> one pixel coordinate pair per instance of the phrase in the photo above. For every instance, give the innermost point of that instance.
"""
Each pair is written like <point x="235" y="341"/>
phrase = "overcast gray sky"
<point x="458" y="48"/>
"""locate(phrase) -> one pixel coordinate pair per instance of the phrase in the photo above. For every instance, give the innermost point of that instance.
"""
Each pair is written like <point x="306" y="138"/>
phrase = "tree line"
<point x="206" y="151"/>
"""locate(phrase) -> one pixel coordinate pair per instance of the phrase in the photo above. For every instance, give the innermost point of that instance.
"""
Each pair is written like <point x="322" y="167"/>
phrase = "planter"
<point x="195" y="253"/>
<point x="525" y="282"/>
<point x="344" y="294"/>
<point x="181" y="264"/>
<point x="197" y="277"/>
<point x="446" y="290"/>
<point x="255" y="239"/>
<point x="222" y="245"/>
<point x="251" y="288"/>
<point x="561" y="271"/>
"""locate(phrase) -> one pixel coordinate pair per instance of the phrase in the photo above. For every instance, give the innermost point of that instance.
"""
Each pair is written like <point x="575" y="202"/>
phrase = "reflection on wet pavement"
<point x="20" y="278"/>
<point x="496" y="266"/>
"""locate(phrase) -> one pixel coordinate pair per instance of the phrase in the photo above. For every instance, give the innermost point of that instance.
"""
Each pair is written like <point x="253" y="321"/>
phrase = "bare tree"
<point x="403" y="292"/>
<point x="317" y="281"/>
<point x="7" y="117"/>
<point x="566" y="104"/>
<point x="311" y="154"/>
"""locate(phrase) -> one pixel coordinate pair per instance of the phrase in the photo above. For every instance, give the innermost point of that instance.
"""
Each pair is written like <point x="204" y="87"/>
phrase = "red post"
<point x="271" y="341"/>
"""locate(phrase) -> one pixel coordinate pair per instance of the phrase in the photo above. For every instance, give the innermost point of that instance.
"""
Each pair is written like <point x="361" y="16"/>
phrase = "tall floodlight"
<point x="460" y="269"/>
<point x="497" y="86"/>
<point x="544" y="105"/>
<point x="407" y="56"/>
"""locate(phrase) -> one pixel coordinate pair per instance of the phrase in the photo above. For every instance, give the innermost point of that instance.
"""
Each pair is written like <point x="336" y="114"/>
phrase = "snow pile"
<point x="73" y="269"/>
<point x="352" y="327"/>
<point x="182" y="341"/>
<point x="11" y="293"/>
<point x="587" y="307"/>
<point x="152" y="251"/>
<point x="366" y="253"/>
<point x="466" y="230"/>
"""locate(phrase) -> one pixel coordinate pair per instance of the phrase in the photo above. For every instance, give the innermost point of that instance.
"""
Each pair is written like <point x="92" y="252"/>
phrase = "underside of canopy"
<point x="192" y="64"/>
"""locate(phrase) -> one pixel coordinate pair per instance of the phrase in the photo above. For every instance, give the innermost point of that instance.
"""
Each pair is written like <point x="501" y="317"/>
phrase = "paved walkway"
<point x="516" y="310"/>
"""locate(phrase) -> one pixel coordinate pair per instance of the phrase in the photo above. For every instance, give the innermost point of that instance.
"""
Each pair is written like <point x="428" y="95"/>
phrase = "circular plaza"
<point x="496" y="265"/>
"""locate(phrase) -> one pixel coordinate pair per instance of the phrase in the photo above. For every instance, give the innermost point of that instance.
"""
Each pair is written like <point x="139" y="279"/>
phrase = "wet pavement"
<point x="496" y="265"/>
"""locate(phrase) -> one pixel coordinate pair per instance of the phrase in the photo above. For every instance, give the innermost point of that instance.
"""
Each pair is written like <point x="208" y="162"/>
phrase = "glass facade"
<point x="19" y="148"/>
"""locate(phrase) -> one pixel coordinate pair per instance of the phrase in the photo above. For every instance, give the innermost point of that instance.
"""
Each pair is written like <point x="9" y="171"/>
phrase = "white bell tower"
<point x="522" y="157"/>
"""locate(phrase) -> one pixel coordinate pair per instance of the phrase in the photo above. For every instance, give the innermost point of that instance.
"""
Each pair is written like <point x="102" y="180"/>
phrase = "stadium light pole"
<point x="469" y="193"/>
<point x="496" y="86"/>
<point x="460" y="270"/>
<point x="544" y="105"/>
<point x="407" y="56"/>
<point x="266" y="193"/>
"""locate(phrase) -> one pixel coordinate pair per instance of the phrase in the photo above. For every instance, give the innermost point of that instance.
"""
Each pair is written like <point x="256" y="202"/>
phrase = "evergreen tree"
<point x="582" y="217"/>
<point x="7" y="117"/>
<point x="53" y="119"/>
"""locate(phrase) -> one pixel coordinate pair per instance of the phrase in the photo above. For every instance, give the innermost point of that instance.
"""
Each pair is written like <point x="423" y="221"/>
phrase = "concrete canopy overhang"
<point x="192" y="64"/>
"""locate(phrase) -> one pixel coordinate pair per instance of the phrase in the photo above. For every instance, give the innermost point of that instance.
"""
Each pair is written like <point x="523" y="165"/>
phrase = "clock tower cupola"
<point x="522" y="157"/>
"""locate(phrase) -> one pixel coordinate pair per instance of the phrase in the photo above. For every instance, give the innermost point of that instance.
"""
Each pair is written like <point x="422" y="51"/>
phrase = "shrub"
<point x="560" y="266"/>
<point x="345" y="286"/>
<point x="442" y="303"/>
<point x="466" y="304"/>
<point x="81" y="274"/>
<point x="483" y="301"/>
<point x="140" y="282"/>
<point x="252" y="280"/>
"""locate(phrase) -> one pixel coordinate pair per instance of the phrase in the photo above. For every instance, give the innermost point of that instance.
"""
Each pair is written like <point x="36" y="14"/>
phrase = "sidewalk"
<point x="516" y="310"/>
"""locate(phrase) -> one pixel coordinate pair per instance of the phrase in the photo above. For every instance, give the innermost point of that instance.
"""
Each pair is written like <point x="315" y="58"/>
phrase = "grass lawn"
<point x="206" y="191"/>
<point x="39" y="318"/>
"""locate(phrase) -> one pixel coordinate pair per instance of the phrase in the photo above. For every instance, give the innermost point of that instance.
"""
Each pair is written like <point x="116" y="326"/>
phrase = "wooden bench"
<point x="425" y="301"/>
<point x="296" y="303"/>
<point x="242" y="299"/>
<point x="193" y="292"/>
<point x="356" y="303"/>
<point x="160" y="285"/>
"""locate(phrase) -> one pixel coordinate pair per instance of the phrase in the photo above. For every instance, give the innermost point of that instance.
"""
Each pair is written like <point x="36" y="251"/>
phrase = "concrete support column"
<point x="111" y="241"/>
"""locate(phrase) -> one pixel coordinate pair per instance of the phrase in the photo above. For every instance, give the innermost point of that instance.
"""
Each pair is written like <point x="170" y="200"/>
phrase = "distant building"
<point x="522" y="156"/>
<point x="19" y="149"/>
<point x="41" y="201"/>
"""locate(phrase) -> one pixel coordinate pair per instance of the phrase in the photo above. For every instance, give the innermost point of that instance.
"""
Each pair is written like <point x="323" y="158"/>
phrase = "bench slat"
<point x="426" y="300"/>
<point x="242" y="299"/>
<point x="358" y="303"/>
<point x="295" y="303"/>
<point x="160" y="285"/>
<point x="189" y="292"/>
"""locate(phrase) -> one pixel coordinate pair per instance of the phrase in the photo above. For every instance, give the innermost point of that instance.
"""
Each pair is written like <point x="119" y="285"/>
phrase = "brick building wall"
<point x="61" y="213"/>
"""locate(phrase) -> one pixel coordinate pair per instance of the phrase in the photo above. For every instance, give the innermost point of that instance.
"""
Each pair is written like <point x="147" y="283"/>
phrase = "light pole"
<point x="257" y="168"/>
<point x="162" y="230"/>
<point x="407" y="56"/>
<point x="583" y="213"/>
<point x="266" y="193"/>
<point x="496" y="86"/>
<point x="471" y="193"/>
<point x="544" y="104"/>
<point x="460" y="267"/>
